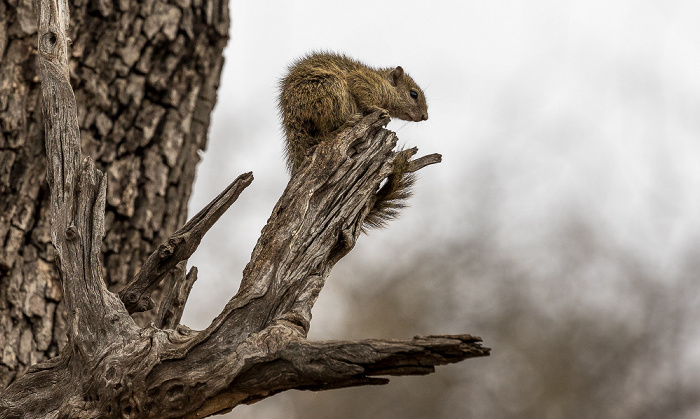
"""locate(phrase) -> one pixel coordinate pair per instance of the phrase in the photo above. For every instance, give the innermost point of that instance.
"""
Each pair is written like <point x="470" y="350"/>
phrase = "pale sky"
<point x="545" y="107"/>
<point x="585" y="106"/>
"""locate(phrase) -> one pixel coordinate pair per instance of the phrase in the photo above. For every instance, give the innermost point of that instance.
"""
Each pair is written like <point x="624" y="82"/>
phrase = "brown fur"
<point x="323" y="92"/>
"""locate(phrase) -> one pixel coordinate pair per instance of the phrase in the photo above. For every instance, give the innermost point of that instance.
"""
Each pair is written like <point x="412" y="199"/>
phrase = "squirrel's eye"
<point x="413" y="94"/>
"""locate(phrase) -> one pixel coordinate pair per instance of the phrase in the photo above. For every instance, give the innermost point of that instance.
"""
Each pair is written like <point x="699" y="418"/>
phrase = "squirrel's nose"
<point x="425" y="116"/>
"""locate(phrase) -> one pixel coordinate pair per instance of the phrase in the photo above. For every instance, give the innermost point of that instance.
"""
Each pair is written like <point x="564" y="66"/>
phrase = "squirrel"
<point x="323" y="92"/>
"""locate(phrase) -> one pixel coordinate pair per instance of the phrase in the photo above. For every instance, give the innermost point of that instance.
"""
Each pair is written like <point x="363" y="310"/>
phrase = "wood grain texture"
<point x="78" y="192"/>
<point x="177" y="291"/>
<point x="257" y="346"/>
<point x="136" y="295"/>
<point x="145" y="76"/>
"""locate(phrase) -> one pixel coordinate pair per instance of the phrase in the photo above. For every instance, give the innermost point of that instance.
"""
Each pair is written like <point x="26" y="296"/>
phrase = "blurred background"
<point x="563" y="226"/>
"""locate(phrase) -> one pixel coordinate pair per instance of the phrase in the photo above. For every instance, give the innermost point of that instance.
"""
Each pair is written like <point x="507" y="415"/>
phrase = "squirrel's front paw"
<point x="383" y="112"/>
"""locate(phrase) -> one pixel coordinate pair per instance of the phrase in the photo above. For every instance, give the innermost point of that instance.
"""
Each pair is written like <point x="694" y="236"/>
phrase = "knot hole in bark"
<point x="48" y="42"/>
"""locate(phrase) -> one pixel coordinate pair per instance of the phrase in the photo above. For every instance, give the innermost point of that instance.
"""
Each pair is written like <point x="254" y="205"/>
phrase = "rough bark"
<point x="109" y="366"/>
<point x="145" y="76"/>
<point x="257" y="347"/>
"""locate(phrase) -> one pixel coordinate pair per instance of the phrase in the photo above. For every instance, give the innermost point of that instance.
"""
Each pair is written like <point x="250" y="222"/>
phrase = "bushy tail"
<point x="392" y="196"/>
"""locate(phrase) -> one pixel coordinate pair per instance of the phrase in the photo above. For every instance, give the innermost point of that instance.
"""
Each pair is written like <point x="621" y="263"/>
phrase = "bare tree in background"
<point x="145" y="115"/>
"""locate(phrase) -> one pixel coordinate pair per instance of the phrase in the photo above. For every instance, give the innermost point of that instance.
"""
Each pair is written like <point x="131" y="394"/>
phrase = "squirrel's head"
<point x="409" y="101"/>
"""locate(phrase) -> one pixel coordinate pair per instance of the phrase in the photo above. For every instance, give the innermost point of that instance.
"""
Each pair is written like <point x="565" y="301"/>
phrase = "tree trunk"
<point x="109" y="366"/>
<point x="145" y="76"/>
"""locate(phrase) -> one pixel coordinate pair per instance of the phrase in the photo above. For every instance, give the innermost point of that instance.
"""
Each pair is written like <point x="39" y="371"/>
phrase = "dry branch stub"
<point x="179" y="247"/>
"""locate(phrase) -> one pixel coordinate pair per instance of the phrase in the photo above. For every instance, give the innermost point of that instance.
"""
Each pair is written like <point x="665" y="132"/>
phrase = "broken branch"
<point x="136" y="295"/>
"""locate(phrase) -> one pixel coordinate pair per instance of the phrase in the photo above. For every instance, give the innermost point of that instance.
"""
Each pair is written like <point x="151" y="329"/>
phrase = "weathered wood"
<point x="257" y="346"/>
<point x="136" y="295"/>
<point x="306" y="365"/>
<point x="77" y="197"/>
<point x="316" y="222"/>
<point x="173" y="304"/>
<point x="424" y="161"/>
<point x="145" y="76"/>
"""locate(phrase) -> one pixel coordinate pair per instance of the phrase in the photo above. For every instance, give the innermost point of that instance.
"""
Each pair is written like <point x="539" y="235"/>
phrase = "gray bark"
<point x="145" y="76"/>
<point x="112" y="367"/>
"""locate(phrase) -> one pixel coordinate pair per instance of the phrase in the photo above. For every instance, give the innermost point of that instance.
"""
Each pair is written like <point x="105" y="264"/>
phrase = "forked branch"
<point x="257" y="346"/>
<point x="136" y="295"/>
<point x="258" y="341"/>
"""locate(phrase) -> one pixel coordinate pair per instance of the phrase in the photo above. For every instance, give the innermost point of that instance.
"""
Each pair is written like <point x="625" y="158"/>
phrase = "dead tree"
<point x="257" y="346"/>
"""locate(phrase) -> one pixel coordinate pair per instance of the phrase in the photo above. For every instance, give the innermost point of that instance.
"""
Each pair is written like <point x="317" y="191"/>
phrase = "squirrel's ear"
<point x="395" y="75"/>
